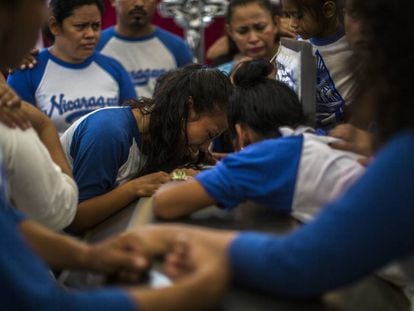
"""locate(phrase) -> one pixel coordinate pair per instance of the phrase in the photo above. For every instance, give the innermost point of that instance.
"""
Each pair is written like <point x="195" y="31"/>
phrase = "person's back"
<point x="146" y="51"/>
<point x="261" y="114"/>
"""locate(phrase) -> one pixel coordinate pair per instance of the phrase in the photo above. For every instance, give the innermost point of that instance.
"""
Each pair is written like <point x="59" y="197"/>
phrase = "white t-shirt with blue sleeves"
<point x="65" y="92"/>
<point x="335" y="82"/>
<point x="294" y="174"/>
<point x="102" y="149"/>
<point x="146" y="58"/>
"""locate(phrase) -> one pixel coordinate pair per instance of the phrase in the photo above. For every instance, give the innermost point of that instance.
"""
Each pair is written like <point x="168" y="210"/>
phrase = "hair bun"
<point x="250" y="73"/>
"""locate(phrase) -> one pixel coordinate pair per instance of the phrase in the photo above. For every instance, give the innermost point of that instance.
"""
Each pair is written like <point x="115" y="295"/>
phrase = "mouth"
<point x="256" y="50"/>
<point x="138" y="13"/>
<point x="89" y="46"/>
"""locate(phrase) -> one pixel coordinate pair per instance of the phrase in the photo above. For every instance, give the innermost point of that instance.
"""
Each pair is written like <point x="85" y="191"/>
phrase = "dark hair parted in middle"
<point x="204" y="90"/>
<point x="62" y="9"/>
<point x="261" y="103"/>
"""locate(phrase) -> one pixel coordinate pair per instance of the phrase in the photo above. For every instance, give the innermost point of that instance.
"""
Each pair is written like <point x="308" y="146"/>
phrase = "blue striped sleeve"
<point x="369" y="226"/>
<point x="264" y="172"/>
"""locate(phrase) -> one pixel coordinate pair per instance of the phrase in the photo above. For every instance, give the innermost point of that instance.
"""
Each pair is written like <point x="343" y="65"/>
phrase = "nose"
<point x="253" y="37"/>
<point x="293" y="23"/>
<point x="138" y="3"/>
<point x="89" y="32"/>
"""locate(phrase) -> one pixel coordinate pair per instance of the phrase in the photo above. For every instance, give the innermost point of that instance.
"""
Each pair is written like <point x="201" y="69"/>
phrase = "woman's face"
<point x="79" y="33"/>
<point x="302" y="22"/>
<point x="20" y="25"/>
<point x="253" y="29"/>
<point x="201" y="130"/>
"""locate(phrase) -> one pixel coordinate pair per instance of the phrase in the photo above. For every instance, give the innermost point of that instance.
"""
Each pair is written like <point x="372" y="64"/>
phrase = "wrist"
<point x="84" y="257"/>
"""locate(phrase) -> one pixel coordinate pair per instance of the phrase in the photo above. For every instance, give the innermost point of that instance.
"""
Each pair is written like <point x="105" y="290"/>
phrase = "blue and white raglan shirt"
<point x="366" y="228"/>
<point x="146" y="58"/>
<point x="276" y="173"/>
<point x="227" y="68"/>
<point x="25" y="280"/>
<point x="65" y="92"/>
<point x="102" y="149"/>
<point x="335" y="83"/>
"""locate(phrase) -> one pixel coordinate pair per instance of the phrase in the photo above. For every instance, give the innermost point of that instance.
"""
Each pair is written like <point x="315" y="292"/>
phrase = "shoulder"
<point x="171" y="40"/>
<point x="226" y="68"/>
<point x="106" y="35"/>
<point x="42" y="59"/>
<point x="268" y="151"/>
<point x="109" y="64"/>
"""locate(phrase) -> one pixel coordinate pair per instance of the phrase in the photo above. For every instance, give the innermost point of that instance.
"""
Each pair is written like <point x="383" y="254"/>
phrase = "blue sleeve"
<point x="369" y="226"/>
<point x="21" y="83"/>
<point x="106" y="35"/>
<point x="226" y="68"/>
<point x="177" y="46"/>
<point x="26" y="283"/>
<point x="98" y="151"/>
<point x="25" y="82"/>
<point x="16" y="215"/>
<point x="119" y="73"/>
<point x="264" y="172"/>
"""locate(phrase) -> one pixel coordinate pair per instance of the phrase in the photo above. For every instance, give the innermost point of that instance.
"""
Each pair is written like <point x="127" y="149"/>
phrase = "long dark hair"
<point x="386" y="74"/>
<point x="166" y="145"/>
<point x="261" y="103"/>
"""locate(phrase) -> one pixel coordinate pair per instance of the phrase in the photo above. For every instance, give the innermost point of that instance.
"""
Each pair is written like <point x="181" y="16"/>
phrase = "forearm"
<point x="57" y="250"/>
<point x="173" y="199"/>
<point x="159" y="238"/>
<point x="48" y="134"/>
<point x="93" y="211"/>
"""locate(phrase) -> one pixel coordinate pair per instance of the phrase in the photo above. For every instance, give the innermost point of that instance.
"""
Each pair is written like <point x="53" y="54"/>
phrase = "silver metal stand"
<point x="193" y="16"/>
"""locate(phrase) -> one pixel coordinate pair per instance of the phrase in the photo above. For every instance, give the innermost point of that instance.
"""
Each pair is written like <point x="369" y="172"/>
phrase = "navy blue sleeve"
<point x="26" y="283"/>
<point x="106" y="35"/>
<point x="264" y="172"/>
<point x="177" y="46"/>
<point x="119" y="73"/>
<point x="25" y="82"/>
<point x="21" y="83"/>
<point x="369" y="226"/>
<point x="98" y="150"/>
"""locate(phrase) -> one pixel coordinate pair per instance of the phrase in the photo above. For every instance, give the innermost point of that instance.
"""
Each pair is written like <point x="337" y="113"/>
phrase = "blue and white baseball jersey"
<point x="366" y="228"/>
<point x="65" y="92"/>
<point x="335" y="84"/>
<point x="294" y="174"/>
<point x="146" y="58"/>
<point x="102" y="149"/>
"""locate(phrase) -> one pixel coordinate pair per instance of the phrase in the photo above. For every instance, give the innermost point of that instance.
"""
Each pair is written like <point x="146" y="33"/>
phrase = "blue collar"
<point x="82" y="65"/>
<point x="135" y="39"/>
<point x="328" y="40"/>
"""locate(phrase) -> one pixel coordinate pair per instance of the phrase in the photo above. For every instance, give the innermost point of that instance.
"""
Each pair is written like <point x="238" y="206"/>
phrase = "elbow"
<point x="78" y="226"/>
<point x="162" y="209"/>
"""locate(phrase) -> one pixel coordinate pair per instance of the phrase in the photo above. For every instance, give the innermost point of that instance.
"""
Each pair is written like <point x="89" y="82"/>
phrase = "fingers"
<point x="29" y="61"/>
<point x="14" y="118"/>
<point x="177" y="260"/>
<point x="343" y="145"/>
<point x="343" y="131"/>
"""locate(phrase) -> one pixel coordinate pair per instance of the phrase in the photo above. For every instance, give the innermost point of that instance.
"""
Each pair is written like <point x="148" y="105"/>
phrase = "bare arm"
<point x="120" y="255"/>
<point x="93" y="211"/>
<point x="173" y="200"/>
<point x="48" y="135"/>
